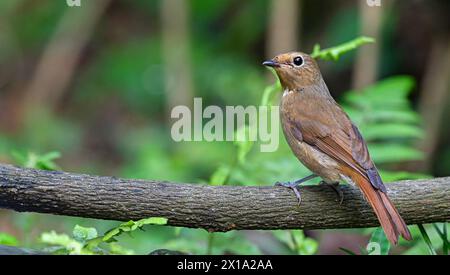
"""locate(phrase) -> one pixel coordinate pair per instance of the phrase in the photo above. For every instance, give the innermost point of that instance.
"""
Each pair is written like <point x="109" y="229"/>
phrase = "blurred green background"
<point x="96" y="83"/>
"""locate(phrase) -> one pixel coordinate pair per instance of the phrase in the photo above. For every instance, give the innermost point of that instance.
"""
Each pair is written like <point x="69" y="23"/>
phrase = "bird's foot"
<point x="293" y="186"/>
<point x="336" y="189"/>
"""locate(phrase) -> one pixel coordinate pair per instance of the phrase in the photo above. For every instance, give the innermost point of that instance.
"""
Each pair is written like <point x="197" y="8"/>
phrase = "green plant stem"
<point x="443" y="235"/>
<point x="348" y="251"/>
<point x="334" y="53"/>
<point x="427" y="240"/>
<point x="446" y="245"/>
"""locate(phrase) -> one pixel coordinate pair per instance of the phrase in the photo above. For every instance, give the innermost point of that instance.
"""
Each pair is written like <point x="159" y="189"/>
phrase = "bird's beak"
<point x="271" y="63"/>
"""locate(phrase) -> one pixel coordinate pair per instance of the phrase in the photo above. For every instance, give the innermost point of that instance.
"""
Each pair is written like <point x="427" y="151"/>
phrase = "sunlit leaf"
<point x="36" y="161"/>
<point x="378" y="244"/>
<point x="131" y="226"/>
<point x="426" y="239"/>
<point x="444" y="237"/>
<point x="7" y="239"/>
<point x="334" y="53"/>
<point x="81" y="233"/>
<point x="63" y="240"/>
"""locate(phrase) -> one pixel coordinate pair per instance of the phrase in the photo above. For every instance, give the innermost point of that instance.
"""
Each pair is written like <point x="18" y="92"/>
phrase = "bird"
<point x="322" y="136"/>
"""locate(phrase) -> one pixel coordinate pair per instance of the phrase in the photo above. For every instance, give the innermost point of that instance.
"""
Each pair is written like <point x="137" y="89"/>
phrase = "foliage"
<point x="36" y="161"/>
<point x="378" y="243"/>
<point x="6" y="239"/>
<point x="391" y="127"/>
<point x="196" y="241"/>
<point x="85" y="240"/>
<point x="297" y="242"/>
<point x="335" y="53"/>
<point x="444" y="237"/>
<point x="121" y="90"/>
<point x="426" y="239"/>
<point x="131" y="226"/>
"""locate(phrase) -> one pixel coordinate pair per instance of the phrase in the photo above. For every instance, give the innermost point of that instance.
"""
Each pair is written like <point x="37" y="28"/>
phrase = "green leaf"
<point x="391" y="130"/>
<point x="54" y="238"/>
<point x="348" y="251"/>
<point x="378" y="244"/>
<point x="83" y="234"/>
<point x="153" y="220"/>
<point x="443" y="235"/>
<point x="391" y="115"/>
<point x="93" y="244"/>
<point x="6" y="239"/>
<point x="388" y="122"/>
<point x="426" y="239"/>
<point x="396" y="87"/>
<point x="115" y="248"/>
<point x="296" y="241"/>
<point x="308" y="247"/>
<point x="220" y="176"/>
<point x="394" y="152"/>
<point x="70" y="245"/>
<point x="36" y="161"/>
<point x="109" y="235"/>
<point x="336" y="52"/>
<point x="388" y="94"/>
<point x="131" y="226"/>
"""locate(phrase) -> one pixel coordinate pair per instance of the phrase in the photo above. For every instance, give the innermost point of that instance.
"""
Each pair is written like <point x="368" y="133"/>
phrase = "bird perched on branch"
<point x="324" y="139"/>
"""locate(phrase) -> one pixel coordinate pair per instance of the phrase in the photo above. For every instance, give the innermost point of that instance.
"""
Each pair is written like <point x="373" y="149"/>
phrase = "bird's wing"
<point x="335" y="135"/>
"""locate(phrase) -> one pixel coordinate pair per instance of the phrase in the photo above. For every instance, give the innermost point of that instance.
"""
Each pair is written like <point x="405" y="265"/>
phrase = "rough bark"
<point x="215" y="208"/>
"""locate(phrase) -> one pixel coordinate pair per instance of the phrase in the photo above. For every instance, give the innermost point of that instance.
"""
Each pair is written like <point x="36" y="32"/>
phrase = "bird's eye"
<point x="298" y="61"/>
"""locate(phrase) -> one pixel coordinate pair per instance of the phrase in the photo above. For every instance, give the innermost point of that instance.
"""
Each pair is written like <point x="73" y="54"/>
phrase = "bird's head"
<point x="295" y="69"/>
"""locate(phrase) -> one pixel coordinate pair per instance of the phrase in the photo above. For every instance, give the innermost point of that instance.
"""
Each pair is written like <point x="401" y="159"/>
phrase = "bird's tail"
<point x="391" y="221"/>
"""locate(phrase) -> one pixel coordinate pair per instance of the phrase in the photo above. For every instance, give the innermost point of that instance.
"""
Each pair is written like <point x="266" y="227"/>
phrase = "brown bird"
<point x="324" y="139"/>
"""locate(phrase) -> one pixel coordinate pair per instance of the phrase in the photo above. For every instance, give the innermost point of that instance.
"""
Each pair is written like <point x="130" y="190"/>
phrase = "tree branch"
<point x="215" y="208"/>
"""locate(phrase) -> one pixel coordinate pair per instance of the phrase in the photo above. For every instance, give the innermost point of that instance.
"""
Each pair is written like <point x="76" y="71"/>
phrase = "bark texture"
<point x="215" y="208"/>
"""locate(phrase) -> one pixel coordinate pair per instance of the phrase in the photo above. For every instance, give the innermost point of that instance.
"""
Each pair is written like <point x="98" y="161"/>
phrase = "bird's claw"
<point x="337" y="190"/>
<point x="293" y="186"/>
